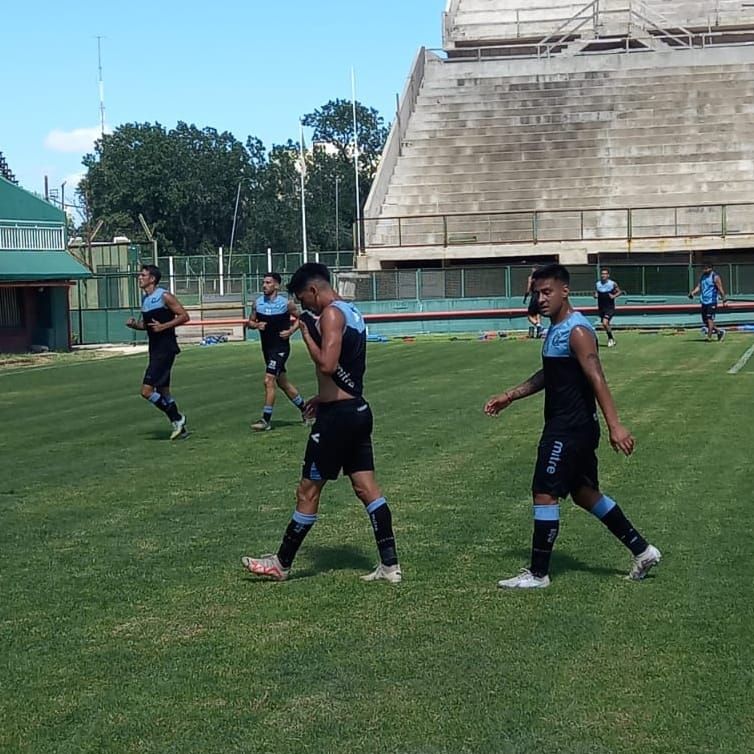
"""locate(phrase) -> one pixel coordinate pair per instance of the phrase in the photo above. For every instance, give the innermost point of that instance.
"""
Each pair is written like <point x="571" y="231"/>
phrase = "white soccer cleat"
<point x="261" y="426"/>
<point x="611" y="343"/>
<point x="268" y="566"/>
<point x="391" y="574"/>
<point x="179" y="428"/>
<point x="525" y="580"/>
<point x="644" y="562"/>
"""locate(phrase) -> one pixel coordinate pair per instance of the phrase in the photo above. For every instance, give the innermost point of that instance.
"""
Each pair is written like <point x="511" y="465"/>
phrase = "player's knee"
<point x="146" y="391"/>
<point x="542" y="498"/>
<point x="366" y="492"/>
<point x="269" y="380"/>
<point x="307" y="497"/>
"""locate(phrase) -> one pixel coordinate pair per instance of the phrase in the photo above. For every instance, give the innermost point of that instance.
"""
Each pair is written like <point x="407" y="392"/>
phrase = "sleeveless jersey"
<point x="604" y="301"/>
<point x="708" y="289"/>
<point x="569" y="398"/>
<point x="352" y="362"/>
<point x="154" y="309"/>
<point x="274" y="312"/>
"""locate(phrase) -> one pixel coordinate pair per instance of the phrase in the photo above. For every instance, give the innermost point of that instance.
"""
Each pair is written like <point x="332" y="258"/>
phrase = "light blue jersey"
<point x="708" y="288"/>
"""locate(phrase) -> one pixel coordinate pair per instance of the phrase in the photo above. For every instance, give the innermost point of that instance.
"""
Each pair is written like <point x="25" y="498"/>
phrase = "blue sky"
<point x="250" y="67"/>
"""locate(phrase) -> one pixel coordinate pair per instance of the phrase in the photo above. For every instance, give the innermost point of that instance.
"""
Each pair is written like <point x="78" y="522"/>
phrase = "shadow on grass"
<point x="323" y="559"/>
<point x="338" y="558"/>
<point x="562" y="562"/>
<point x="278" y="424"/>
<point x="163" y="435"/>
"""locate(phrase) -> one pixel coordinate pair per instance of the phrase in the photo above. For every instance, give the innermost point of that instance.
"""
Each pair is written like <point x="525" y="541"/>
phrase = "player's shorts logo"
<point x="555" y="457"/>
<point x="315" y="437"/>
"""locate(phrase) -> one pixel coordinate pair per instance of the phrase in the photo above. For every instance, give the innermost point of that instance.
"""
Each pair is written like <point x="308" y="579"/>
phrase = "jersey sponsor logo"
<point x="345" y="377"/>
<point x="556" y="455"/>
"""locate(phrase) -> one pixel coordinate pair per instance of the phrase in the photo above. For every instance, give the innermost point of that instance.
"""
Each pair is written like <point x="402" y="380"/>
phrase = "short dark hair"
<point x="605" y="269"/>
<point x="275" y="276"/>
<point x="305" y="274"/>
<point x="153" y="270"/>
<point x="553" y="272"/>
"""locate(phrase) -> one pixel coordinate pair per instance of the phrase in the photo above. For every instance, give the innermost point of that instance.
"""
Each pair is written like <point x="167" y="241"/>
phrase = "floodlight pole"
<point x="356" y="161"/>
<point x="302" y="171"/>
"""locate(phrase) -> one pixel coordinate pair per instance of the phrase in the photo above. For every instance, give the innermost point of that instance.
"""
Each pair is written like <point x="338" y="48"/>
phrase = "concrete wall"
<point x="480" y="22"/>
<point x="601" y="132"/>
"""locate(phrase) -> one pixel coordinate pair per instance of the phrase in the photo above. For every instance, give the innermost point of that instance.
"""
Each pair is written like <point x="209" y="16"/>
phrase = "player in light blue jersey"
<point x="271" y="317"/>
<point x="573" y="383"/>
<point x="161" y="313"/>
<point x="710" y="290"/>
<point x="341" y="438"/>
<point x="606" y="291"/>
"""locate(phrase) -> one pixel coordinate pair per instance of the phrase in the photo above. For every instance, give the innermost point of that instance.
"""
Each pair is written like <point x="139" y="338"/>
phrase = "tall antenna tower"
<point x="101" y="88"/>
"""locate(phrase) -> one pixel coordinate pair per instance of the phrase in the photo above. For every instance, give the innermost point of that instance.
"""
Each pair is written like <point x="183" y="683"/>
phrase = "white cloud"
<point x="78" y="140"/>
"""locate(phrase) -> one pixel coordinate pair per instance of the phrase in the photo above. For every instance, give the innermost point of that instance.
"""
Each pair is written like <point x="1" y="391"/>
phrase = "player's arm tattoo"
<point x="533" y="385"/>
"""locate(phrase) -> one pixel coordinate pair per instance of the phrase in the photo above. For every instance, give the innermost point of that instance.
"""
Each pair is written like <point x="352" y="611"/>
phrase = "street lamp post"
<point x="337" y="213"/>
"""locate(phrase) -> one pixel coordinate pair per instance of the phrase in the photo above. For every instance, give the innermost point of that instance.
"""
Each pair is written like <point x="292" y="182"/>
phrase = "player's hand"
<point x="304" y="328"/>
<point x="285" y="334"/>
<point x="310" y="407"/>
<point x="724" y="302"/>
<point x="157" y="326"/>
<point x="622" y="440"/>
<point x="131" y="322"/>
<point x="261" y="326"/>
<point x="691" y="296"/>
<point x="497" y="403"/>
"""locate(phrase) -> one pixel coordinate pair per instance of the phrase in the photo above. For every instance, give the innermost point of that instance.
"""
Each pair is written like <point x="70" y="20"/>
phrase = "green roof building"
<point x="36" y="272"/>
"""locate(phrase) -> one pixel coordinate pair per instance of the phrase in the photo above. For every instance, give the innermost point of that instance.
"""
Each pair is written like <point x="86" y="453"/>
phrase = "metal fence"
<point x="119" y="291"/>
<point x="510" y="281"/>
<point x="535" y="226"/>
<point x="101" y="305"/>
<point x="238" y="265"/>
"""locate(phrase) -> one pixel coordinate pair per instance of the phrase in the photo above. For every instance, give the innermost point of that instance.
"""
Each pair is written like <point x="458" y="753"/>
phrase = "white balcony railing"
<point x="32" y="237"/>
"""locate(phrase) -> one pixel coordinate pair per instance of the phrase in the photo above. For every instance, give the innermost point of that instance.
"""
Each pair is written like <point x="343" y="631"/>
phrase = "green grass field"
<point x="127" y="624"/>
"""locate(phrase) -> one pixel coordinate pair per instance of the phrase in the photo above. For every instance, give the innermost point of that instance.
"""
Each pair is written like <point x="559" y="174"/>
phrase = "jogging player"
<point x="606" y="291"/>
<point x="710" y="290"/>
<point x="341" y="437"/>
<point x="161" y="313"/>
<point x="532" y="311"/>
<point x="271" y="316"/>
<point x="572" y="378"/>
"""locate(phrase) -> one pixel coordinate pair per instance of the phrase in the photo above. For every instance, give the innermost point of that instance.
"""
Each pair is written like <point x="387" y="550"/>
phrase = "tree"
<point x="332" y="161"/>
<point x="183" y="180"/>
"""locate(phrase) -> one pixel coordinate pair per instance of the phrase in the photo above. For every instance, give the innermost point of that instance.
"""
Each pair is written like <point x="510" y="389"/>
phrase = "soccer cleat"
<point x="179" y="428"/>
<point x="720" y="335"/>
<point x="525" y="580"/>
<point x="644" y="562"/>
<point x="611" y="343"/>
<point x="385" y="573"/>
<point x="261" y="426"/>
<point x="268" y="566"/>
